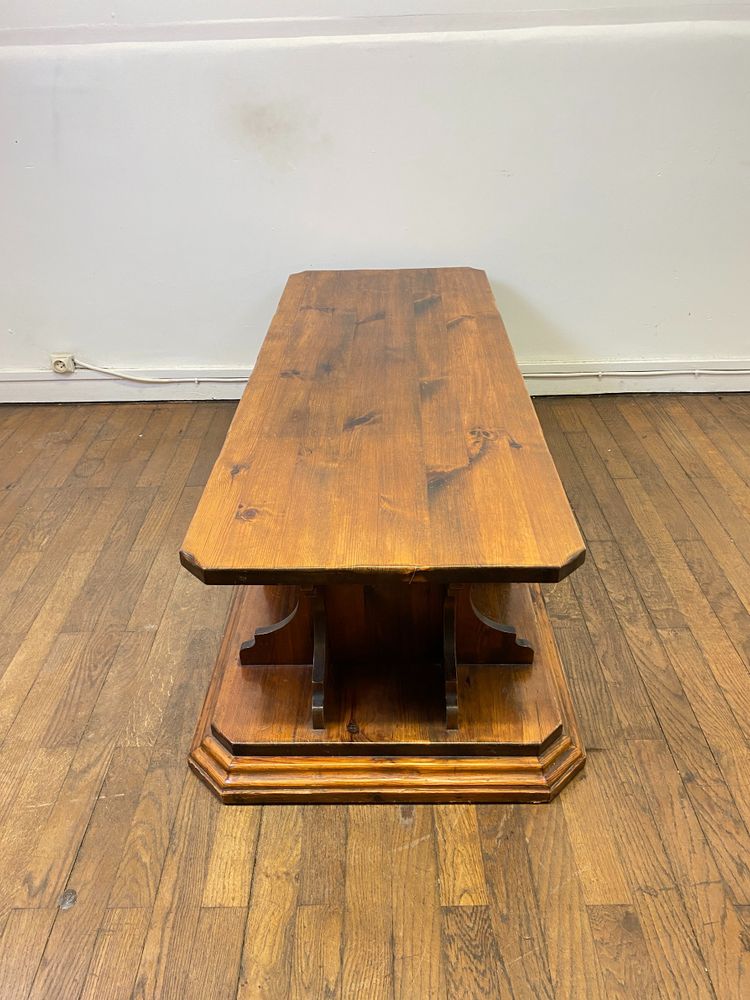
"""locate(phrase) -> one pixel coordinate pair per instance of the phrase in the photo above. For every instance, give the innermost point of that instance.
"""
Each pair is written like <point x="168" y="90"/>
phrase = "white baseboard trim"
<point x="586" y="378"/>
<point x="543" y="378"/>
<point x="88" y="387"/>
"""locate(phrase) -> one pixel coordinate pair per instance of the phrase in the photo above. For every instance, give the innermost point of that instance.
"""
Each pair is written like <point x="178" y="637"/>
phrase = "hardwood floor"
<point x="122" y="876"/>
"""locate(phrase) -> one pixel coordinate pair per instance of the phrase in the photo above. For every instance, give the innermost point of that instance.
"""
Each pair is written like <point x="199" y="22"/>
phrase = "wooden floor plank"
<point x="171" y="937"/>
<point x="622" y="953"/>
<point x="514" y="907"/>
<point x="460" y="864"/>
<point x="323" y="864"/>
<point x="690" y="478"/>
<point x="726" y="605"/>
<point x="571" y="954"/>
<point x="661" y="489"/>
<point x="230" y="869"/>
<point x="215" y="964"/>
<point x="473" y="964"/>
<point x="316" y="962"/>
<point x="117" y="952"/>
<point x="418" y="968"/>
<point x="647" y="572"/>
<point x="681" y="728"/>
<point x="719" y="451"/>
<point x="713" y="915"/>
<point x="726" y="426"/>
<point x="585" y="505"/>
<point x="145" y="849"/>
<point x="727" y="666"/>
<point x="598" y="857"/>
<point x="83" y="532"/>
<point x="602" y="437"/>
<point x="93" y="598"/>
<point x="626" y="690"/>
<point x="60" y="836"/>
<point x="70" y="946"/>
<point x="268" y="948"/>
<point x="33" y="522"/>
<point x="22" y="943"/>
<point x="31" y="793"/>
<point x="588" y="687"/>
<point x="20" y="674"/>
<point x="367" y="969"/>
<point x="675" y="957"/>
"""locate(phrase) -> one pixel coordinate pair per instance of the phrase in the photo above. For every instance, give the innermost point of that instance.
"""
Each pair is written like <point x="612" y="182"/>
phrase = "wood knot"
<point x="376" y="316"/>
<point x="486" y="433"/>
<point x="367" y="418"/>
<point x="420" y="305"/>
<point x="246" y="513"/>
<point x="429" y="386"/>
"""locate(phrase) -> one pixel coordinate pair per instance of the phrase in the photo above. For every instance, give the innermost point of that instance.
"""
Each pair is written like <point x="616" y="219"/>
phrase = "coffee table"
<point x="386" y="507"/>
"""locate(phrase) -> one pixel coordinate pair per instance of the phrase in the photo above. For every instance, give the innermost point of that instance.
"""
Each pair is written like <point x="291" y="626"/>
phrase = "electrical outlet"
<point x="63" y="364"/>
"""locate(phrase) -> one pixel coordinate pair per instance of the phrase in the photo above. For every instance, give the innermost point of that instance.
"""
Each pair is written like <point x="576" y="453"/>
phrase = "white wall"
<point x="160" y="180"/>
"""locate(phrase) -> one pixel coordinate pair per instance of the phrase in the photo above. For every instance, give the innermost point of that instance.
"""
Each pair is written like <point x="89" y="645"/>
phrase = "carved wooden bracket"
<point x="298" y="636"/>
<point x="474" y="633"/>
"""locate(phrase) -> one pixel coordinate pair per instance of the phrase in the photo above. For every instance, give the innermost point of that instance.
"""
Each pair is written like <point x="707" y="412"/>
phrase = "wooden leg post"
<point x="320" y="657"/>
<point x="450" y="666"/>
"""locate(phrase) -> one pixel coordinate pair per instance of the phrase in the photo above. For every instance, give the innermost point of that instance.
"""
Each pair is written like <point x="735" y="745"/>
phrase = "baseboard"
<point x="543" y="378"/>
<point x="590" y="378"/>
<point x="88" y="387"/>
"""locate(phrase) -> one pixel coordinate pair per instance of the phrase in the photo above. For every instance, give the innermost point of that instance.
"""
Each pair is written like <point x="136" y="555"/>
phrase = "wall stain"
<point x="281" y="132"/>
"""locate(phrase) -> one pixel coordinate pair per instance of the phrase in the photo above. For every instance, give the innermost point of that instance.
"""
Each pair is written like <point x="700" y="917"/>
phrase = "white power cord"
<point x="622" y="373"/>
<point x="636" y="373"/>
<point x="160" y="381"/>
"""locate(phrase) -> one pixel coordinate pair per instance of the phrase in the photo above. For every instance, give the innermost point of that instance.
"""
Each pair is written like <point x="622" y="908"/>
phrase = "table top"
<point x="385" y="433"/>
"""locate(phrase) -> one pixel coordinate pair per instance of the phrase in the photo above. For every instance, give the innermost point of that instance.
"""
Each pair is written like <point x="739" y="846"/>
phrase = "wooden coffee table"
<point x="386" y="506"/>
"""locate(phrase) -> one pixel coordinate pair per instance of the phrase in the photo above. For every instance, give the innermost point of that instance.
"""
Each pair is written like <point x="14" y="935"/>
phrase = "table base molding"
<point x="385" y="736"/>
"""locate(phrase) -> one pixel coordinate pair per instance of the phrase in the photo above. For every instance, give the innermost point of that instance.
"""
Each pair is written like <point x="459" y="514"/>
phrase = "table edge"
<point x="217" y="576"/>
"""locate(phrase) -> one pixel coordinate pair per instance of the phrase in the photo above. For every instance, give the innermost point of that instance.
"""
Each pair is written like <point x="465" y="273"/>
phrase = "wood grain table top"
<point x="385" y="432"/>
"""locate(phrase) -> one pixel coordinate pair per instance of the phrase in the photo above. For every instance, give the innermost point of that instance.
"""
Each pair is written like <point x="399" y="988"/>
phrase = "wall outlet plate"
<point x="63" y="364"/>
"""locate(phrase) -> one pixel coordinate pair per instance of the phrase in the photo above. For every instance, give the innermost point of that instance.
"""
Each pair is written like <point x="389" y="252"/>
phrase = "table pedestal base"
<point x="385" y="736"/>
